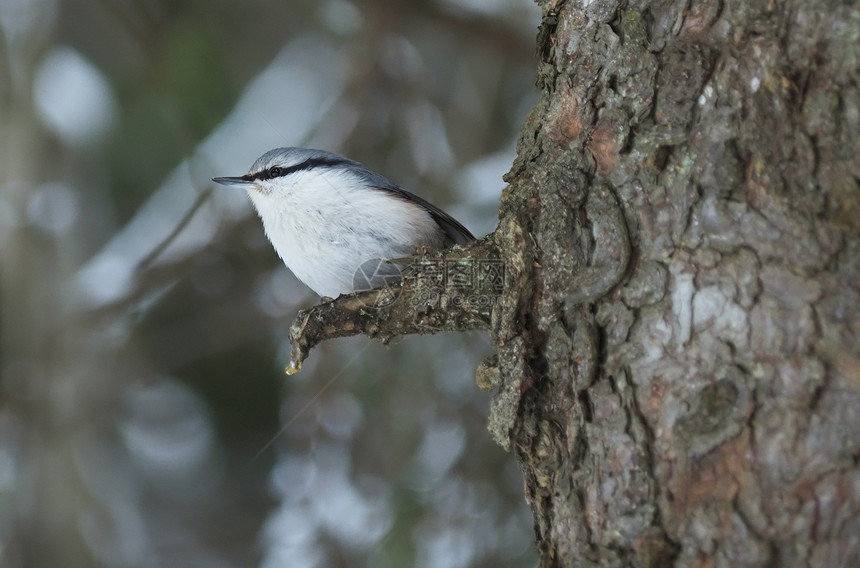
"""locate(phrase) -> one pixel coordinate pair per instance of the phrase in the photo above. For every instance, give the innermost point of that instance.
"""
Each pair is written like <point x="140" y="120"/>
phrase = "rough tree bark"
<point x="678" y="367"/>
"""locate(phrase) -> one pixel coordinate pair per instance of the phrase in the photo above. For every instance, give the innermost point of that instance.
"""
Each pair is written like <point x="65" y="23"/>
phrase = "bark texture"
<point x="690" y="397"/>
<point x="451" y="290"/>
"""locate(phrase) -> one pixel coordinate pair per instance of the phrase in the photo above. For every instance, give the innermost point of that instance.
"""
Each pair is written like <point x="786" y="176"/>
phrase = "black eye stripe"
<point x="309" y="164"/>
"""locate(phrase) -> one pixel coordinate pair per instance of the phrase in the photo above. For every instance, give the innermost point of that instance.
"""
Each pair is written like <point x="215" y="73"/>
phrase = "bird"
<point x="336" y="223"/>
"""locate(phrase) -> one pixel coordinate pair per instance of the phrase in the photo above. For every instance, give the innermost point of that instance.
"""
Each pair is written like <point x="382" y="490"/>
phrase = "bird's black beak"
<point x="242" y="182"/>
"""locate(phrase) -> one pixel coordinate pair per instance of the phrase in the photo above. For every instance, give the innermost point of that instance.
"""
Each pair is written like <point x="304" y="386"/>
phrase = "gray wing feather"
<point x="455" y="230"/>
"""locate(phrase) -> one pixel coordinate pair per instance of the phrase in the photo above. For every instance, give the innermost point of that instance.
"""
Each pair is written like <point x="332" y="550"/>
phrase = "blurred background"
<point x="145" y="418"/>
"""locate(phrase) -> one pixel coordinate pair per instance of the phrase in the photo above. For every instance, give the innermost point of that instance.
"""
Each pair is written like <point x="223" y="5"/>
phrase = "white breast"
<point x="326" y="226"/>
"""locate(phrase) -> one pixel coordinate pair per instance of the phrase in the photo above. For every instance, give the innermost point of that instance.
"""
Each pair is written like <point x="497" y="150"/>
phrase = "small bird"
<point x="335" y="223"/>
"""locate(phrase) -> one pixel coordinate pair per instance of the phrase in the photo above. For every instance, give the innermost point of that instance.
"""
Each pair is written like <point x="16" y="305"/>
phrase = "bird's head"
<point x="277" y="169"/>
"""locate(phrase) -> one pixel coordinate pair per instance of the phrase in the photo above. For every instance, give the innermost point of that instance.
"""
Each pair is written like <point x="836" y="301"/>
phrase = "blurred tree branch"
<point x="153" y="255"/>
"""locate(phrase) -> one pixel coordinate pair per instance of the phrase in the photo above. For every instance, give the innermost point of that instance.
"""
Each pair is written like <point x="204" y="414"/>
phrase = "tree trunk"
<point x="692" y="399"/>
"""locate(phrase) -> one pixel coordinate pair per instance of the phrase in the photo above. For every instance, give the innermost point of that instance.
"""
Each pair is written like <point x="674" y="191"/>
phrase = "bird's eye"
<point x="275" y="172"/>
